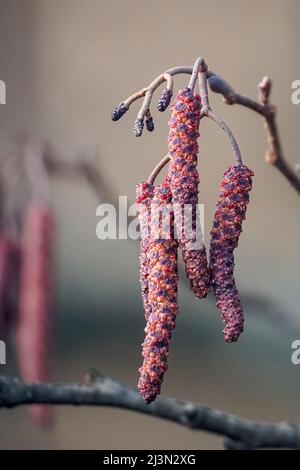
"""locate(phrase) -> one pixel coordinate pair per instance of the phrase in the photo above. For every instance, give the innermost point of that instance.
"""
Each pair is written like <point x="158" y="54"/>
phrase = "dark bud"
<point x="138" y="127"/>
<point x="149" y="123"/>
<point x="164" y="100"/>
<point x="217" y="84"/>
<point x="119" y="111"/>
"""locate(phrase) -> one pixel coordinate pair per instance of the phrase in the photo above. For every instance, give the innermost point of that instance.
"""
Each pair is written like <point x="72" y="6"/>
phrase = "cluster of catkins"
<point x="158" y="250"/>
<point x="25" y="267"/>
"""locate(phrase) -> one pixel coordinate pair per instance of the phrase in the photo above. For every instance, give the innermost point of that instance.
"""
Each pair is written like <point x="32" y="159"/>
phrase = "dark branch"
<point x="99" y="390"/>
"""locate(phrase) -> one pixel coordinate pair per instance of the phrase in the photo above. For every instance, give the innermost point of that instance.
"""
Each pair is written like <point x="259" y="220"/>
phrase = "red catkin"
<point x="227" y="227"/>
<point x="144" y="195"/>
<point x="6" y="252"/>
<point x="184" y="180"/>
<point x="34" y="323"/>
<point x="162" y="296"/>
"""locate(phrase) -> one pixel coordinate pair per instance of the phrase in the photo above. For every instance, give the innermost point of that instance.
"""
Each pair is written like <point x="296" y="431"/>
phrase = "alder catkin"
<point x="184" y="180"/>
<point x="34" y="329"/>
<point x="162" y="296"/>
<point x="227" y="226"/>
<point x="119" y="111"/>
<point x="6" y="251"/>
<point x="164" y="100"/>
<point x="144" y="195"/>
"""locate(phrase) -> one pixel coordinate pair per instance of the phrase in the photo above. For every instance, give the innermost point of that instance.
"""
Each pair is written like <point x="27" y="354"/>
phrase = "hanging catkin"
<point x="162" y="296"/>
<point x="184" y="178"/>
<point x="227" y="226"/>
<point x="144" y="195"/>
<point x="6" y="251"/>
<point x="35" y="326"/>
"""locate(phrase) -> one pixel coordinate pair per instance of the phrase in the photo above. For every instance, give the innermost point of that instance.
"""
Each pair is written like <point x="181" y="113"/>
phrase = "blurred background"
<point x="66" y="65"/>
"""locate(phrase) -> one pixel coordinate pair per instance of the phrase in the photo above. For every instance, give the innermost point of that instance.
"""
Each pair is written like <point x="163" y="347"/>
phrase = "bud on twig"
<point x="217" y="84"/>
<point x="164" y="100"/>
<point x="264" y="89"/>
<point x="149" y="122"/>
<point x="119" y="111"/>
<point x="138" y="127"/>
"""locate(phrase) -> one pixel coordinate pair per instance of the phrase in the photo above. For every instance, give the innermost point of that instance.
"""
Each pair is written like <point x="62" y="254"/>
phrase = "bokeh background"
<point x="66" y="64"/>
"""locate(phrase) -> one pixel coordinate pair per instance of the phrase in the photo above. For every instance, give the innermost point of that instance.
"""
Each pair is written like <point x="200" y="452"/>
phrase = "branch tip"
<point x="264" y="87"/>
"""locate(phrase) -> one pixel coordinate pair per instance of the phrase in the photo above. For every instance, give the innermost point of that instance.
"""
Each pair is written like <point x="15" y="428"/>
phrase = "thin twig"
<point x="99" y="390"/>
<point x="198" y="65"/>
<point x="206" y="111"/>
<point x="158" y="168"/>
<point x="222" y="124"/>
<point x="203" y="88"/>
<point x="35" y="169"/>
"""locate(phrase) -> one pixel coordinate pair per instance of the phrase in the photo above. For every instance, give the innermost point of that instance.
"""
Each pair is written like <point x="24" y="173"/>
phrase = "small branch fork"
<point x="200" y="72"/>
<point x="206" y="111"/>
<point x="263" y="107"/>
<point x="99" y="390"/>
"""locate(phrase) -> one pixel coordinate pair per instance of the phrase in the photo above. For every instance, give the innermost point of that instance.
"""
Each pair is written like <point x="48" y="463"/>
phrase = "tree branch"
<point x="274" y="153"/>
<point x="100" y="390"/>
<point x="217" y="84"/>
